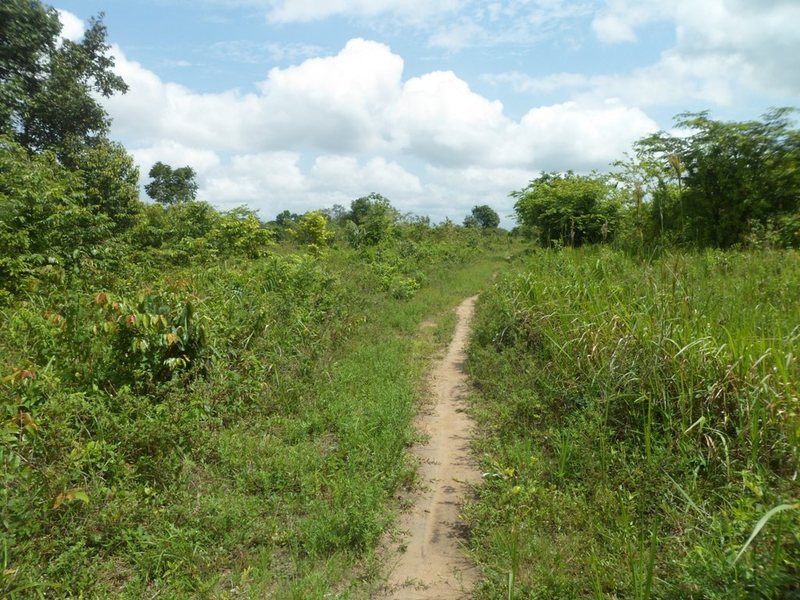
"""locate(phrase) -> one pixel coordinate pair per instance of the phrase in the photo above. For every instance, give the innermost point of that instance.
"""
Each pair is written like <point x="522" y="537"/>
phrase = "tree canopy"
<point x="712" y="186"/>
<point x="171" y="186"/>
<point x="568" y="209"/>
<point x="375" y="218"/>
<point x="48" y="85"/>
<point x="483" y="216"/>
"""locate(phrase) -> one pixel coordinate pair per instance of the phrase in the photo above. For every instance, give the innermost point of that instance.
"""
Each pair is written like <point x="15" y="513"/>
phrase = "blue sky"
<point x="441" y="105"/>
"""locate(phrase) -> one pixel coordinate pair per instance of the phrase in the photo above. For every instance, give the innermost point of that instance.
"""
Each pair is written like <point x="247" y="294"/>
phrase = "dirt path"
<point x="429" y="563"/>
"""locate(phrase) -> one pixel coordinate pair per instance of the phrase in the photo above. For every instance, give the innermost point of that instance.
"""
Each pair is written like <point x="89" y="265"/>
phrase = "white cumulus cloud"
<point x="72" y="27"/>
<point x="749" y="43"/>
<point x="336" y="127"/>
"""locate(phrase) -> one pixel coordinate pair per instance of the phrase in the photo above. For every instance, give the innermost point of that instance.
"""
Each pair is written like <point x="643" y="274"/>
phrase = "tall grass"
<point x="650" y="411"/>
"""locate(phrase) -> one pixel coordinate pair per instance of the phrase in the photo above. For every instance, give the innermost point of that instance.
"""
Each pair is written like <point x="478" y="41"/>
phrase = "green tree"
<point x="110" y="182"/>
<point x="713" y="185"/>
<point x="485" y="217"/>
<point x="44" y="220"/>
<point x="171" y="186"/>
<point x="568" y="209"/>
<point x="312" y="230"/>
<point x="286" y="219"/>
<point x="375" y="217"/>
<point x="28" y="35"/>
<point x="49" y="87"/>
<point x="471" y="222"/>
<point x="241" y="233"/>
<point x="336" y="214"/>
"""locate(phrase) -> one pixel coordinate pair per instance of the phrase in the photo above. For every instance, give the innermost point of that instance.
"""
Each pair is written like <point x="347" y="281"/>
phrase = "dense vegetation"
<point x="189" y="408"/>
<point x="718" y="185"/>
<point x="638" y="419"/>
<point x="195" y="403"/>
<point x="638" y="400"/>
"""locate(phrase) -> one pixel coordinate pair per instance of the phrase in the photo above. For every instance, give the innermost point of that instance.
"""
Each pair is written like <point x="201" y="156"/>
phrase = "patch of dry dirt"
<point x="428" y="562"/>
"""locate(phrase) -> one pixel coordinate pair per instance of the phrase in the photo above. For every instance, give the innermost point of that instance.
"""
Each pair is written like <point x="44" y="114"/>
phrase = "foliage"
<point x="193" y="381"/>
<point x="110" y="182"/>
<point x="639" y="424"/>
<point x="483" y="216"/>
<point x="149" y="340"/>
<point x="374" y="220"/>
<point x="48" y="85"/>
<point x="716" y="182"/>
<point x="171" y="186"/>
<point x="312" y="230"/>
<point x="283" y="224"/>
<point x="239" y="232"/>
<point x="568" y="209"/>
<point x="46" y="228"/>
<point x="194" y="232"/>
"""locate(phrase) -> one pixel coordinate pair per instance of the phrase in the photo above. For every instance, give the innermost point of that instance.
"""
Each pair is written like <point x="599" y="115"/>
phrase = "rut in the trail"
<point x="430" y="563"/>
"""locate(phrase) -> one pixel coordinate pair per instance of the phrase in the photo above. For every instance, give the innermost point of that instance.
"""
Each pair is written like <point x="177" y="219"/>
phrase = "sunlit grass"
<point x="650" y="412"/>
<point x="266" y="469"/>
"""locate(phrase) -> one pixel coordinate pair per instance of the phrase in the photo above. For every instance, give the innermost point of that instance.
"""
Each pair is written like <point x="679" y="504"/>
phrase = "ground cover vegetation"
<point x="191" y="408"/>
<point x="194" y="403"/>
<point x="211" y="425"/>
<point x="638" y="399"/>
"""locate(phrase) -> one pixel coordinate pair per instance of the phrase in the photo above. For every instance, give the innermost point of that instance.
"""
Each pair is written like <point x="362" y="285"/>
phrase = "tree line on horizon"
<point x="717" y="184"/>
<point x="66" y="189"/>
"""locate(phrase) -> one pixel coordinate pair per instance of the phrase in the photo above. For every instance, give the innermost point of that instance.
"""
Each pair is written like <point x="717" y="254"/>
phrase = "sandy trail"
<point x="429" y="563"/>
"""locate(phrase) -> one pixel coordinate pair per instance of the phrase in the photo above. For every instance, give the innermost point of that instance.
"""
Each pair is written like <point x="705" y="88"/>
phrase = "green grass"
<point x="266" y="468"/>
<point x="638" y="419"/>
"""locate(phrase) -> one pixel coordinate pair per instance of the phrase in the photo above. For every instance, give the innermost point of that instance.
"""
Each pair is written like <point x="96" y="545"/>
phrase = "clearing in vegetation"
<point x="430" y="562"/>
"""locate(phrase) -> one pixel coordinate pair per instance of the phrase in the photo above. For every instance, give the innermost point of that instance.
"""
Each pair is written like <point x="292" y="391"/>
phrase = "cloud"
<point x="463" y="188"/>
<point x="72" y="27"/>
<point x="256" y="53"/>
<point x="294" y="11"/>
<point x="513" y="22"/>
<point x="582" y="137"/>
<point x="460" y="35"/>
<point x="336" y="103"/>
<point x="154" y="110"/>
<point x="672" y="81"/>
<point x="547" y="84"/>
<point x="333" y="103"/>
<point x="723" y="49"/>
<point x="176" y="63"/>
<point x="756" y="39"/>
<point x="439" y="119"/>
<point x="336" y="127"/>
<point x="347" y="175"/>
<point x="612" y="29"/>
<point x="175" y="154"/>
<point x="274" y="181"/>
<point x="265" y="181"/>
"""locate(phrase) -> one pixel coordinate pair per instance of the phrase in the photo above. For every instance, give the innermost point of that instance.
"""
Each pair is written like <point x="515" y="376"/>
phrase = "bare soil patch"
<point x="429" y="561"/>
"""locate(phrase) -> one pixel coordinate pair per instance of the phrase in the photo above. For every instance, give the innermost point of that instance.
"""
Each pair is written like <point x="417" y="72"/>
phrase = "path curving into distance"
<point x="430" y="563"/>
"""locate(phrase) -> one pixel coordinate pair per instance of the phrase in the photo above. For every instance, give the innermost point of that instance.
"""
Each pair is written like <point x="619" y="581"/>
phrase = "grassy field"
<point x="637" y="421"/>
<point x="231" y="429"/>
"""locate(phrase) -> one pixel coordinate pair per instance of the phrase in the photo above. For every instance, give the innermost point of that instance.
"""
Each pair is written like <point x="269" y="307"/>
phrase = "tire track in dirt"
<point x="429" y="562"/>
